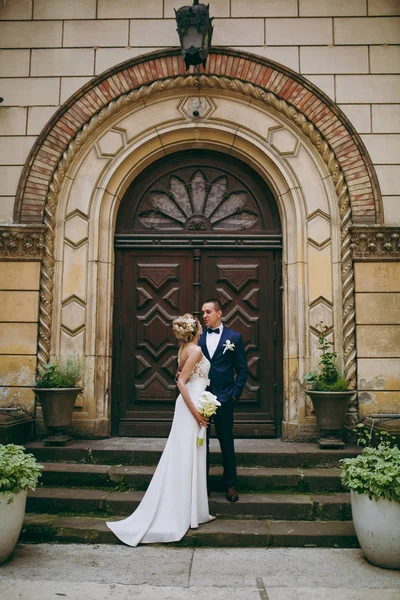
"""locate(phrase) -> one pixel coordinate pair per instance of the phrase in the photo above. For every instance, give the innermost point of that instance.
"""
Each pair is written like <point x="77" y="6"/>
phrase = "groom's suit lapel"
<point x="222" y="340"/>
<point x="203" y="345"/>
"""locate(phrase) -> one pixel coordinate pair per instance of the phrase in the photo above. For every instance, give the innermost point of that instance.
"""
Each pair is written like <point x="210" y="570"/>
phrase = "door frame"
<point x="82" y="307"/>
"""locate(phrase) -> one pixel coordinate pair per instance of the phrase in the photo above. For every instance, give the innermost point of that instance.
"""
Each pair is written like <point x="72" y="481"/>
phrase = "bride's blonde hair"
<point x="185" y="328"/>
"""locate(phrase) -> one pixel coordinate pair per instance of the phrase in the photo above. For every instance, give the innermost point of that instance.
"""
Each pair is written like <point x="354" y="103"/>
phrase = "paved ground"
<point x="78" y="572"/>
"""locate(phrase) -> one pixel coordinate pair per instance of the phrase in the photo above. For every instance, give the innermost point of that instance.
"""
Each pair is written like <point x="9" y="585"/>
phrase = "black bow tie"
<point x="210" y="330"/>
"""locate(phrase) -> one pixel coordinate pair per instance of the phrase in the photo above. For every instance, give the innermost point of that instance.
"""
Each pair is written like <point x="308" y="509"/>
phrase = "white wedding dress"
<point x="176" y="498"/>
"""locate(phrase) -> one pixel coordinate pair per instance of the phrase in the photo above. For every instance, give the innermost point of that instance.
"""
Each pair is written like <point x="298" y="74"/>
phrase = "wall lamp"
<point x="195" y="32"/>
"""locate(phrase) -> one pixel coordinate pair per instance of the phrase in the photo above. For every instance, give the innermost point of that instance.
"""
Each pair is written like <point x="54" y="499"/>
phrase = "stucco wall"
<point x="50" y="48"/>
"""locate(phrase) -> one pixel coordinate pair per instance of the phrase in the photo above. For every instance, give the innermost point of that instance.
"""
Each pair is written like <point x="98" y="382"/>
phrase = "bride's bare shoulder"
<point x="192" y="351"/>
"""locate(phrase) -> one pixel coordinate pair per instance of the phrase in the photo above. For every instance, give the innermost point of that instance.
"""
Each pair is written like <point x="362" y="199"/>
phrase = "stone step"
<point x="138" y="477"/>
<point x="41" y="528"/>
<point x="289" y="507"/>
<point x="147" y="451"/>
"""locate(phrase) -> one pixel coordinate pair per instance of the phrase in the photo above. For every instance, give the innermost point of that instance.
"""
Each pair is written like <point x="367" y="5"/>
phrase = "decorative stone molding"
<point x="375" y="242"/>
<point x="286" y="86"/>
<point x="239" y="88"/>
<point x="22" y="242"/>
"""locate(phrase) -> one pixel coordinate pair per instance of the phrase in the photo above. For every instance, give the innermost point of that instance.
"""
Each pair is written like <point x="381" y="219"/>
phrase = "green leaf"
<point x="18" y="470"/>
<point x="374" y="472"/>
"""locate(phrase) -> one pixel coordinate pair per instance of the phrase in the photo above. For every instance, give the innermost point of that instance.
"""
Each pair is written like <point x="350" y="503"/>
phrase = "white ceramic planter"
<point x="377" y="525"/>
<point x="11" y="520"/>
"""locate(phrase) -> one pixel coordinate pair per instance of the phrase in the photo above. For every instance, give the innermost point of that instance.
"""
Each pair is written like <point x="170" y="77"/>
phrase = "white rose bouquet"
<point x="207" y="407"/>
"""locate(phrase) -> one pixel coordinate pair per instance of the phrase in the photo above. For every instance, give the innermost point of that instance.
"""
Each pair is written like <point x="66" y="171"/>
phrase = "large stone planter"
<point x="57" y="407"/>
<point x="377" y="525"/>
<point x="12" y="512"/>
<point x="330" y="411"/>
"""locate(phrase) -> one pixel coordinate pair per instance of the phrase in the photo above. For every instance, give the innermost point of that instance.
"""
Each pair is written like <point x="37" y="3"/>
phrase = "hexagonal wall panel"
<point x="76" y="230"/>
<point x="321" y="311"/>
<point x="73" y="316"/>
<point x="196" y="107"/>
<point x="283" y="141"/>
<point x="319" y="230"/>
<point x="110" y="143"/>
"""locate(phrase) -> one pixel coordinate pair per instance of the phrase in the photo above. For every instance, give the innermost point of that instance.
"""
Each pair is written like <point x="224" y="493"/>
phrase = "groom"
<point x="225" y="350"/>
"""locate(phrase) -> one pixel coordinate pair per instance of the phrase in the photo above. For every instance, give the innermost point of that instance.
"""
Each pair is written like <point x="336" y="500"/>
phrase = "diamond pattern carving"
<point x="110" y="143"/>
<point x="252" y="298"/>
<point x="238" y="277"/>
<point x="283" y="141"/>
<point x="73" y="316"/>
<point x="76" y="230"/>
<point x="319" y="230"/>
<point x="321" y="310"/>
<point x="253" y="366"/>
<point x="239" y="321"/>
<point x="156" y="385"/>
<point x="153" y="334"/>
<point x="158" y="275"/>
<point x="224" y="297"/>
<point x="142" y="365"/>
<point x="143" y="297"/>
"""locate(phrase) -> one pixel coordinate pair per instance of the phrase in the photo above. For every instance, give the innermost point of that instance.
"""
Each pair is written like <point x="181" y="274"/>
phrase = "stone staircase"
<point x="290" y="493"/>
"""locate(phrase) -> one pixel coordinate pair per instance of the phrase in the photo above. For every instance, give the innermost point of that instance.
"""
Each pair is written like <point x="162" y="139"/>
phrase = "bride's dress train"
<point x="176" y="498"/>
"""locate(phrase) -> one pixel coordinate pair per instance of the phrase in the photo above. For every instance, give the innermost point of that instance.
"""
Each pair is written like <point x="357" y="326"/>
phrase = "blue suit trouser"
<point x="223" y="422"/>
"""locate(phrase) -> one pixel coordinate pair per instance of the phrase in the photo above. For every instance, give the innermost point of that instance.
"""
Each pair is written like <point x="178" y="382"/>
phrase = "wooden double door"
<point x="153" y="286"/>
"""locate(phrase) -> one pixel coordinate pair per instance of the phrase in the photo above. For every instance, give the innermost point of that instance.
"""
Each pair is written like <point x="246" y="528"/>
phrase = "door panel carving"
<point x="153" y="290"/>
<point x="238" y="277"/>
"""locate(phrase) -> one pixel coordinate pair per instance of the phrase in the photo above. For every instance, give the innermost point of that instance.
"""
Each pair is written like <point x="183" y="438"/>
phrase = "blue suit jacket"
<point x="224" y="365"/>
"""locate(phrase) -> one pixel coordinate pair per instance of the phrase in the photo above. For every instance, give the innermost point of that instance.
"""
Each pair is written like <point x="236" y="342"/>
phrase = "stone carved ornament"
<point x="232" y="86"/>
<point x="18" y="241"/>
<point x="375" y="242"/>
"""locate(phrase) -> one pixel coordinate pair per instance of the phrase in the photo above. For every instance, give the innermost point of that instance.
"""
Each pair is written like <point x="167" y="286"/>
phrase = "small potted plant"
<point x="57" y="389"/>
<point x="373" y="478"/>
<point x="329" y="394"/>
<point x="18" y="473"/>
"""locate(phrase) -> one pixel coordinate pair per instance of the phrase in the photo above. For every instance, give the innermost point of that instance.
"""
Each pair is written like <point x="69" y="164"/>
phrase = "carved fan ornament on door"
<point x="199" y="205"/>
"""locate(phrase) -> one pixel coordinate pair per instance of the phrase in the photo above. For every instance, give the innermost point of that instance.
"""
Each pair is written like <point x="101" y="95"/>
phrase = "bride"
<point x="176" y="498"/>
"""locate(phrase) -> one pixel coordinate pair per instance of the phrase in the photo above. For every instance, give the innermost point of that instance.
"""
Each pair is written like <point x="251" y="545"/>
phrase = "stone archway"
<point x="269" y="81"/>
<point x="129" y="131"/>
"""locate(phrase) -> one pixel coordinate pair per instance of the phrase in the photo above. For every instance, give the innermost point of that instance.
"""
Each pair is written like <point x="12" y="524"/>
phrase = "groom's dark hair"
<point x="216" y="302"/>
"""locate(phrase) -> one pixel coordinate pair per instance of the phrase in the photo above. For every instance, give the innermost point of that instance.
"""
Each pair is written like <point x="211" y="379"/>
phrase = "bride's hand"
<point x="201" y="421"/>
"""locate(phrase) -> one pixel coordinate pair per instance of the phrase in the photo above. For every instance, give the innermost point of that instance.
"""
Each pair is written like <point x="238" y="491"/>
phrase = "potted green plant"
<point x="373" y="478"/>
<point x="18" y="473"/>
<point x="329" y="394"/>
<point x="57" y="389"/>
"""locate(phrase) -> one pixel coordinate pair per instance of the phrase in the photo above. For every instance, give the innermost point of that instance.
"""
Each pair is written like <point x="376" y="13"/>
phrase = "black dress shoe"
<point x="231" y="494"/>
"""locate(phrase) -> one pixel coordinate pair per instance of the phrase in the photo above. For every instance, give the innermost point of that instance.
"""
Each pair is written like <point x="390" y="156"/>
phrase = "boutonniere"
<point x="229" y="346"/>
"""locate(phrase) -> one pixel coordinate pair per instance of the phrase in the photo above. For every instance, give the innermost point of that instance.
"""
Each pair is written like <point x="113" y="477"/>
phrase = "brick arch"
<point x="324" y="115"/>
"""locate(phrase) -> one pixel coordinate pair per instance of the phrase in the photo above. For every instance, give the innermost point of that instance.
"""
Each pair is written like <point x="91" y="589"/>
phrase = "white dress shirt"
<point x="212" y="340"/>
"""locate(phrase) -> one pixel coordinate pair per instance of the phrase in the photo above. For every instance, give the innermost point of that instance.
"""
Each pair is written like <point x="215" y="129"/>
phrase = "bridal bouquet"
<point x="207" y="407"/>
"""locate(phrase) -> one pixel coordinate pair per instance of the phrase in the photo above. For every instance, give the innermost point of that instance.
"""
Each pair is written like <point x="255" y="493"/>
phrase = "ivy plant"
<point x="376" y="472"/>
<point x="18" y="470"/>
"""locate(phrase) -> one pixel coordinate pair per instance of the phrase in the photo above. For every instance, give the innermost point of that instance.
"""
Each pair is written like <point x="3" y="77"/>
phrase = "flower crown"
<point x="188" y="321"/>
